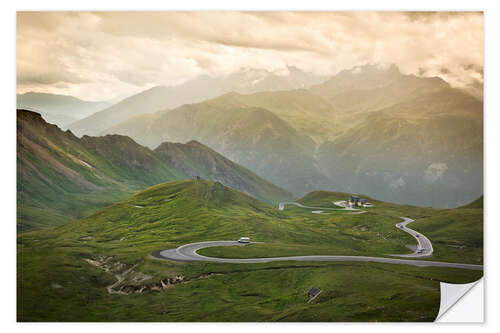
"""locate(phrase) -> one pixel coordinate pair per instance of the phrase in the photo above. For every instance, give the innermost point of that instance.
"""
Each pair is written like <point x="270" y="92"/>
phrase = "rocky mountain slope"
<point x="194" y="159"/>
<point x="61" y="176"/>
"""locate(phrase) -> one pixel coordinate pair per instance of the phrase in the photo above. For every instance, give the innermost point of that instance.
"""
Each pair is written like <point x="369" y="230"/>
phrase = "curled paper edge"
<point x="456" y="307"/>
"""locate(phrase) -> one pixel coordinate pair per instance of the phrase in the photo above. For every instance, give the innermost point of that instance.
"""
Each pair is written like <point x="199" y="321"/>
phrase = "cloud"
<point x="435" y="172"/>
<point x="90" y="53"/>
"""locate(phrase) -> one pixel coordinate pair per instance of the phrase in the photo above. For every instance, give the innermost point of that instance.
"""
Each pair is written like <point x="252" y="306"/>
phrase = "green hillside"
<point x="75" y="266"/>
<point x="194" y="159"/>
<point x="456" y="234"/>
<point x="61" y="177"/>
<point x="478" y="203"/>
<point x="459" y="231"/>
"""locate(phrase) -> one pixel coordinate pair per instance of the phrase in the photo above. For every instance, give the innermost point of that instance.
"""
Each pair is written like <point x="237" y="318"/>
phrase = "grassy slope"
<point x="456" y="234"/>
<point x="176" y="213"/>
<point x="479" y="203"/>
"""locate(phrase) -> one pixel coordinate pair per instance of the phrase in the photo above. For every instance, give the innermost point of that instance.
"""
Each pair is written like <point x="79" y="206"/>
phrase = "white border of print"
<point x="8" y="165"/>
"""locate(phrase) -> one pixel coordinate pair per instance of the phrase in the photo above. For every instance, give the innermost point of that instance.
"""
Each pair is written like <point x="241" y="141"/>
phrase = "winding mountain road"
<point x="424" y="247"/>
<point x="188" y="252"/>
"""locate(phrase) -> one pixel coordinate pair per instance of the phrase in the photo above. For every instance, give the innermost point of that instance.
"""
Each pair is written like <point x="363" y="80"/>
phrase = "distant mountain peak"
<point x="295" y="69"/>
<point x="194" y="143"/>
<point x="375" y="69"/>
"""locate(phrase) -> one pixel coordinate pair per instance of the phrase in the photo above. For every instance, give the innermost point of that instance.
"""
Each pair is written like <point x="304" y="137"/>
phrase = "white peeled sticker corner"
<point x="461" y="303"/>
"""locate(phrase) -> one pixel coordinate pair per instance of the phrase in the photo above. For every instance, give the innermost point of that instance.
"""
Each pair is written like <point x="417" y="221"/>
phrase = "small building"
<point x="313" y="293"/>
<point x="354" y="201"/>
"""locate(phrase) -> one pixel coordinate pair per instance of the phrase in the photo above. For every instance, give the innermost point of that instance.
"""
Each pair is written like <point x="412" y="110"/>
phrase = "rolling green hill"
<point x="74" y="270"/>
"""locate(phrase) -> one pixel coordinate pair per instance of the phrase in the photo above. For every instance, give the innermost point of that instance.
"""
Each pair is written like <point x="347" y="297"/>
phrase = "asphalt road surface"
<point x="282" y="205"/>
<point x="188" y="253"/>
<point x="424" y="247"/>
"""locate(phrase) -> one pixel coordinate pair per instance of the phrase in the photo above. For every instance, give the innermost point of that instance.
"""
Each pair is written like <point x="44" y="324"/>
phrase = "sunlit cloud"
<point x="101" y="55"/>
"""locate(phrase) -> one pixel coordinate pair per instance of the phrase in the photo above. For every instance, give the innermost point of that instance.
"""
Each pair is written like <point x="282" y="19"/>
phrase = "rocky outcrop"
<point x="129" y="281"/>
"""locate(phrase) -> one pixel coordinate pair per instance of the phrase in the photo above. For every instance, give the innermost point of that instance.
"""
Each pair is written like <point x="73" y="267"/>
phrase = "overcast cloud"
<point x="102" y="55"/>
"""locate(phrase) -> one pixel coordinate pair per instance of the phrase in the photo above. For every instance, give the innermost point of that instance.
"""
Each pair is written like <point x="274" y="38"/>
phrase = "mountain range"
<point x="372" y="130"/>
<point x="369" y="129"/>
<point x="427" y="150"/>
<point x="251" y="136"/>
<point x="247" y="80"/>
<point x="61" y="176"/>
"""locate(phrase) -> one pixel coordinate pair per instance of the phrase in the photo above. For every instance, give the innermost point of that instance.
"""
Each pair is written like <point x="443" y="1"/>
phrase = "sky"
<point x="108" y="55"/>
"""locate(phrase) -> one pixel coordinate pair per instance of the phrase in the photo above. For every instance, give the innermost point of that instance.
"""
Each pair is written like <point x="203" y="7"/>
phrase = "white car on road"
<point x="244" y="240"/>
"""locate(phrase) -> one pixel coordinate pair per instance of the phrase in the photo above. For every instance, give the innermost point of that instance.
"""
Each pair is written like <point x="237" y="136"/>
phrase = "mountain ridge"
<point x="193" y="91"/>
<point x="199" y="160"/>
<point x="64" y="177"/>
<point x="333" y="119"/>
